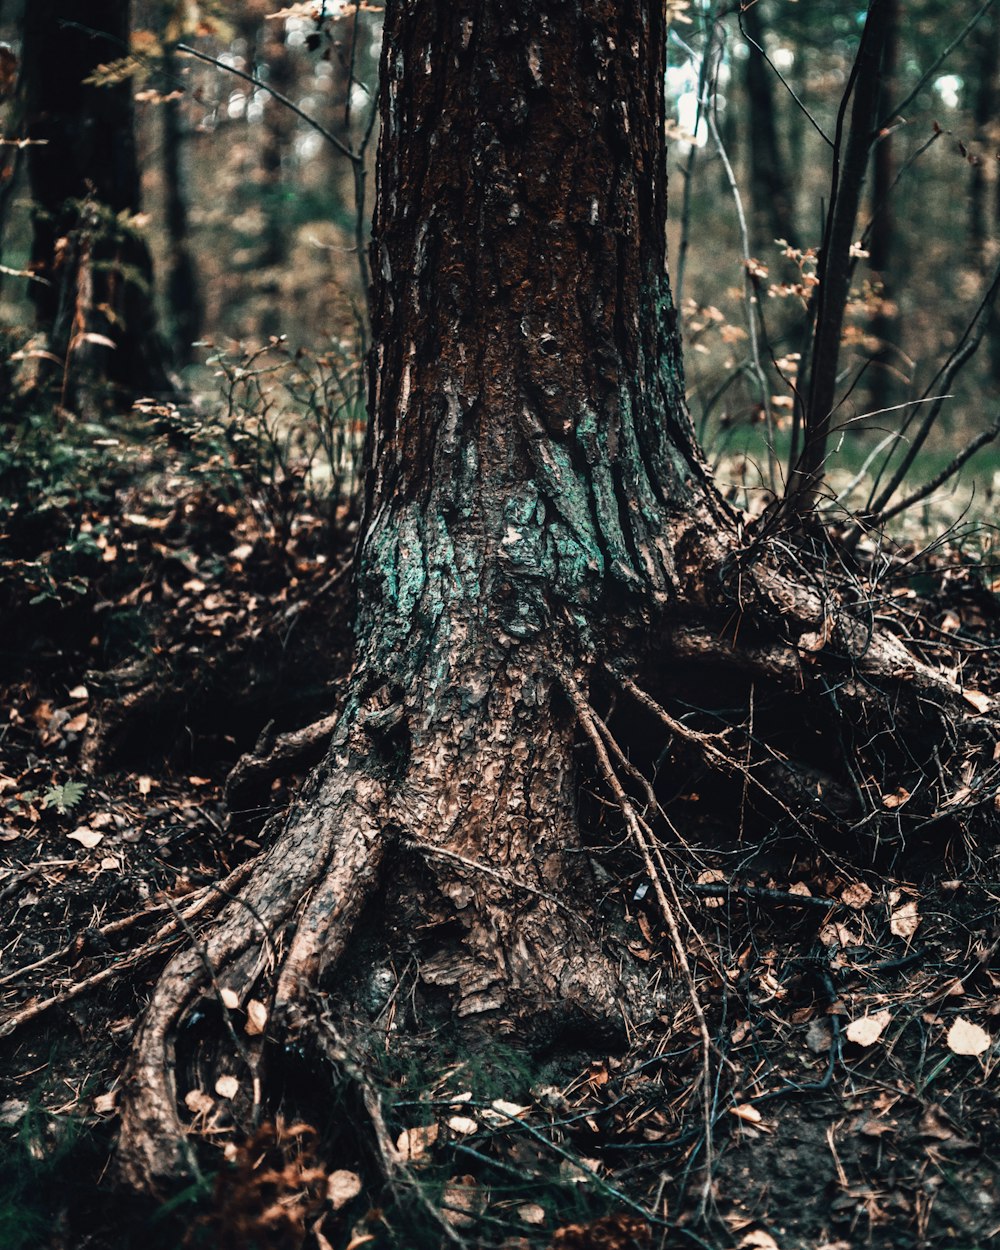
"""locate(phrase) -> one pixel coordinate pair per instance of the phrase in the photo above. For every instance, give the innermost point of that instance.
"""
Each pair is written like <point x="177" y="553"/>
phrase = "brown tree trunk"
<point x="535" y="507"/>
<point x="84" y="179"/>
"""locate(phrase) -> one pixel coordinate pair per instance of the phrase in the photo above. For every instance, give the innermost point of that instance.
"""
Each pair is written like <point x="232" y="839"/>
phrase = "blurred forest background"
<point x="256" y="221"/>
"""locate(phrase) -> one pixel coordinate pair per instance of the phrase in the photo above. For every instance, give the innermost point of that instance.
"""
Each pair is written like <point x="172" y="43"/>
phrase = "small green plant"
<point x="64" y="797"/>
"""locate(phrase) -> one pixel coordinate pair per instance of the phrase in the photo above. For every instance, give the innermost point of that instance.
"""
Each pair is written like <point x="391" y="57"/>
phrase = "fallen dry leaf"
<point x="981" y="702"/>
<point x="341" y="1187"/>
<point x="77" y="725"/>
<point x="86" y="837"/>
<point x="856" y="895"/>
<point x="144" y="784"/>
<point x="230" y="998"/>
<point x="256" y="1018"/>
<point x="413" y="1142"/>
<point x="104" y="1104"/>
<point x="866" y="1030"/>
<point x="461" y="1200"/>
<point x="227" y="1086"/>
<point x="966" y="1038"/>
<point x="711" y="876"/>
<point x="896" y="799"/>
<point x="531" y="1213"/>
<point x="463" y="1124"/>
<point x="904" y="921"/>
<point x="198" y="1102"/>
<point x="748" y="1113"/>
<point x="758" y="1240"/>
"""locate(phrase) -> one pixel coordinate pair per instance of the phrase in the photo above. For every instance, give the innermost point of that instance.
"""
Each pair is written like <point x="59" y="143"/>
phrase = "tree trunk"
<point x="773" y="215"/>
<point x="884" y="374"/>
<point x="536" y="508"/>
<point x="84" y="178"/>
<point x="183" y="291"/>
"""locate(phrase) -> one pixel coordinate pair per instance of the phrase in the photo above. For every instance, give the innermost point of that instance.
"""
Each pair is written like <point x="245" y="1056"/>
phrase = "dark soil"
<point x="191" y="631"/>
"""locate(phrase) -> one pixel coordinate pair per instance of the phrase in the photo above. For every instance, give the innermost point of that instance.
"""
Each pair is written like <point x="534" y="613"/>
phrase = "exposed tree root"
<point x="274" y="756"/>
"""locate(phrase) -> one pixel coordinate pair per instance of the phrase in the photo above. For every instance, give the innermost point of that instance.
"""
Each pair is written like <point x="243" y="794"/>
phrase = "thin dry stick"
<point x="705" y="742"/>
<point x="948" y="472"/>
<point x="639" y="830"/>
<point x="213" y="892"/>
<point x="34" y="1010"/>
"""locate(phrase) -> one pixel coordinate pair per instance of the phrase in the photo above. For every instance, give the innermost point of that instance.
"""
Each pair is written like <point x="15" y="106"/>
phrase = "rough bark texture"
<point x="84" y="178"/>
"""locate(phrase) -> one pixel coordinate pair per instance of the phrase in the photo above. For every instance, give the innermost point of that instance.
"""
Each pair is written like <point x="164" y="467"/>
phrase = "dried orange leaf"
<point x="981" y="702"/>
<point x="856" y="895"/>
<point x="77" y="724"/>
<point x="229" y="998"/>
<point x="463" y="1124"/>
<point x="966" y="1038"/>
<point x="866" y="1030"/>
<point x="748" y="1113"/>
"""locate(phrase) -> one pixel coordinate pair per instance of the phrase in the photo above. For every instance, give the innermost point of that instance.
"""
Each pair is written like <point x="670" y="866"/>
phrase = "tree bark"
<point x="84" y="178"/>
<point x="536" y="512"/>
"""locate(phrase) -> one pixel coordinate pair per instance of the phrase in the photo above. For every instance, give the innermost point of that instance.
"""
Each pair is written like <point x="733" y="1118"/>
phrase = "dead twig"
<point x="643" y="836"/>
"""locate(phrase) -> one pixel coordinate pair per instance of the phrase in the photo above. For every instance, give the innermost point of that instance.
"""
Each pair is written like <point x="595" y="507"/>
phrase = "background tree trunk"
<point x="183" y="293"/>
<point x="884" y="380"/>
<point x="84" y="179"/>
<point x="771" y="199"/>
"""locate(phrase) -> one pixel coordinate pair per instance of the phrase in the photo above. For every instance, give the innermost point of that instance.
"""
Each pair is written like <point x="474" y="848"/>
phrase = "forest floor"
<point x="155" y="627"/>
